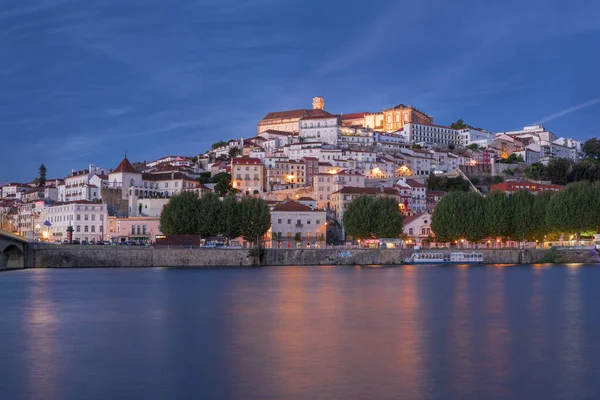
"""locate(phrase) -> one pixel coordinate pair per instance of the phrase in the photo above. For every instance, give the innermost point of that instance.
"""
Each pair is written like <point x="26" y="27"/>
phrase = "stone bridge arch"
<point x="12" y="252"/>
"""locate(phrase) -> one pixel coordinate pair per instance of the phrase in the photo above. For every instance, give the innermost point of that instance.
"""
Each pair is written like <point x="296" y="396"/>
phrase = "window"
<point x="176" y="184"/>
<point x="78" y="217"/>
<point x="411" y="231"/>
<point x="289" y="221"/>
<point x="423" y="231"/>
<point x="318" y="222"/>
<point x="308" y="222"/>
<point x="166" y="184"/>
<point x="93" y="217"/>
<point x="133" y="229"/>
<point x="86" y="217"/>
<point x="298" y="222"/>
<point x="93" y="228"/>
<point x="279" y="221"/>
<point x="85" y="228"/>
<point x="144" y="229"/>
<point x="78" y="228"/>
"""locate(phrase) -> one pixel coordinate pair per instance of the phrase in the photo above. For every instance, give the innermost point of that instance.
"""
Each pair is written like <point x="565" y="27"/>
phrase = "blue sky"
<point x="83" y="81"/>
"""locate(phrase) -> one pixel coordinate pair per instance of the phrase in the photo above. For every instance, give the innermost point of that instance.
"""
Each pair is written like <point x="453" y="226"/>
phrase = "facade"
<point x="311" y="169"/>
<point x="320" y="128"/>
<point x="134" y="229"/>
<point x="418" y="229"/>
<point x="480" y="137"/>
<point x="295" y="225"/>
<point x="247" y="175"/>
<point x="289" y="121"/>
<point x="11" y="190"/>
<point x="88" y="219"/>
<point x="533" y="187"/>
<point x="325" y="184"/>
<point x="396" y="117"/>
<point x="285" y="174"/>
<point x="431" y="135"/>
<point x="418" y="195"/>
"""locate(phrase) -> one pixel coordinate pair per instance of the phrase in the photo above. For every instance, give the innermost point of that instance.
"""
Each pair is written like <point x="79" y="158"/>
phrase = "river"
<point x="426" y="332"/>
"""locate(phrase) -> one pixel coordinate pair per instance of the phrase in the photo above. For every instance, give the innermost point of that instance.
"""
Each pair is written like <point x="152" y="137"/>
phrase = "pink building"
<point x="133" y="228"/>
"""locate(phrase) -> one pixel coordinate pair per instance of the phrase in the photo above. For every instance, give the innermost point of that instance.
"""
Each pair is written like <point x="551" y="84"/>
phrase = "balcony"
<point x="299" y="225"/>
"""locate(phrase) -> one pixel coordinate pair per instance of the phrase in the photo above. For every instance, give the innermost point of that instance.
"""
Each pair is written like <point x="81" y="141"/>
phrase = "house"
<point x="247" y="175"/>
<point x="418" y="229"/>
<point x="533" y="187"/>
<point x="297" y="225"/>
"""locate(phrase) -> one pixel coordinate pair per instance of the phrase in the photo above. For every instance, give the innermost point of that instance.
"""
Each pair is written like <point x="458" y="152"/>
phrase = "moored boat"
<point x="440" y="258"/>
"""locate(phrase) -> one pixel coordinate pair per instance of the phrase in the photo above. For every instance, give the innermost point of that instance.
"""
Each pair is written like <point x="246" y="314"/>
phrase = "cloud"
<point x="117" y="111"/>
<point x="569" y="110"/>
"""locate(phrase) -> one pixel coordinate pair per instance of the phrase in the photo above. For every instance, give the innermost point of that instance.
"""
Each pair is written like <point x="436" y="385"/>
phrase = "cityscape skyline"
<point x="83" y="84"/>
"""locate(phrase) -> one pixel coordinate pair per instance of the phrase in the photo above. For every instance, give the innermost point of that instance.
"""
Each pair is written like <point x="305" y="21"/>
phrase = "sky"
<point x="82" y="82"/>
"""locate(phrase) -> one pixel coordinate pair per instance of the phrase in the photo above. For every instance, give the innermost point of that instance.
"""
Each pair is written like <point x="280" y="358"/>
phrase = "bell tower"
<point x="318" y="103"/>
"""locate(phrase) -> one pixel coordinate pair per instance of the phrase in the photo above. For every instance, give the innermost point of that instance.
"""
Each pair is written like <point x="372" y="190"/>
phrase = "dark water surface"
<point x="301" y="333"/>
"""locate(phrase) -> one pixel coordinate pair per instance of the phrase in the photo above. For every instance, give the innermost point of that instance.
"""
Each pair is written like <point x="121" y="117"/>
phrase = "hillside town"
<point x="307" y="164"/>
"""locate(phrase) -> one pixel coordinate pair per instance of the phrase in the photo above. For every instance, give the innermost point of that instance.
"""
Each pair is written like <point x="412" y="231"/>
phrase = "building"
<point x="87" y="218"/>
<point x="480" y="137"/>
<point x="247" y="175"/>
<point x="295" y="225"/>
<point x="321" y="128"/>
<point x="325" y="184"/>
<point x="396" y="117"/>
<point x="418" y="229"/>
<point x="285" y="174"/>
<point x="418" y="193"/>
<point x="134" y="229"/>
<point x="289" y="121"/>
<point x="533" y="187"/>
<point x="431" y="135"/>
<point x="311" y="169"/>
<point x="11" y="190"/>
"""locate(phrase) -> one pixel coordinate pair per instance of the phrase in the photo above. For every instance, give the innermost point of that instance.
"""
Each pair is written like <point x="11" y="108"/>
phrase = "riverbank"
<point x="117" y="256"/>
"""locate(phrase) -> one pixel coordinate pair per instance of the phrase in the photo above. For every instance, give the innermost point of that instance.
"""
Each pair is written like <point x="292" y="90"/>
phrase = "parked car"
<point x="92" y="242"/>
<point x="76" y="241"/>
<point x="99" y="243"/>
<point x="106" y="243"/>
<point x="83" y="242"/>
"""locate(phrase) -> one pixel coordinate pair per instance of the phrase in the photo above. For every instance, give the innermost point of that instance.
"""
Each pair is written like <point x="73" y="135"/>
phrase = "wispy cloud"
<point x="569" y="110"/>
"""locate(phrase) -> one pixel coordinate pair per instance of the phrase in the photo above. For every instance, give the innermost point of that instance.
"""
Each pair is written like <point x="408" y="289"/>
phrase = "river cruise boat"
<point x="440" y="258"/>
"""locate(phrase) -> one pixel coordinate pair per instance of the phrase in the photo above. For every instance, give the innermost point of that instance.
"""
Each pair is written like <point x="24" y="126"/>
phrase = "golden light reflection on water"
<point x="461" y="336"/>
<point x="40" y="323"/>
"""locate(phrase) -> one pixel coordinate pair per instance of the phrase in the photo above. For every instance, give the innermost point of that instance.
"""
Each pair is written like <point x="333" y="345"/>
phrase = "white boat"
<point x="439" y="258"/>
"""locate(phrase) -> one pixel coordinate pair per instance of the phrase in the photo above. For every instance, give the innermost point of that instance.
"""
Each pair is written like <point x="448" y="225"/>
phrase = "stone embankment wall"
<point x="109" y="256"/>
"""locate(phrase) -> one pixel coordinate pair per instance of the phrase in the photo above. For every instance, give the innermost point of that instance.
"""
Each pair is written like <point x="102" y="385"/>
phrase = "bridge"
<point x="13" y="251"/>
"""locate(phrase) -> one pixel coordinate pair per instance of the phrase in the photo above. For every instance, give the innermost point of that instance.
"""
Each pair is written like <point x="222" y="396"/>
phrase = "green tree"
<point x="234" y="152"/>
<point x="388" y="223"/>
<point x="297" y="237"/>
<point x="209" y="215"/>
<point x="42" y="176"/>
<point x="586" y="170"/>
<point x="539" y="228"/>
<point x="218" y="144"/>
<point x="460" y="124"/>
<point x="473" y="146"/>
<point x="451" y="146"/>
<point x="497" y="214"/>
<point x="223" y="183"/>
<point x="520" y="211"/>
<point x="591" y="148"/>
<point x="557" y="171"/>
<point x="575" y="209"/>
<point x="179" y="215"/>
<point x="535" y="171"/>
<point x="204" y="177"/>
<point x="359" y="217"/>
<point x="230" y="218"/>
<point x="255" y="218"/>
<point x="459" y="215"/>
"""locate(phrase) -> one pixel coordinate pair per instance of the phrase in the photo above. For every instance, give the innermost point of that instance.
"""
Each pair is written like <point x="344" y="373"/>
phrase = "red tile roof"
<point x="246" y="160"/>
<point x="291" y="114"/>
<point x="306" y="199"/>
<point x="411" y="218"/>
<point x="291" y="205"/>
<point x="125" y="166"/>
<point x="366" y="190"/>
<point x="353" y="115"/>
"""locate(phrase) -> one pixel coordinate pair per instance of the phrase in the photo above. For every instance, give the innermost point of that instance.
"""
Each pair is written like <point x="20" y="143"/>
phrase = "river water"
<point x="519" y="332"/>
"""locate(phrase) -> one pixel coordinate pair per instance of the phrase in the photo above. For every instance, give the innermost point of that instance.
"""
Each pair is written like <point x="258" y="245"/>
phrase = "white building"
<point x="297" y="225"/>
<point x="431" y="135"/>
<point x="324" y="184"/>
<point x="88" y="219"/>
<point x="320" y="128"/>
<point x="479" y="137"/>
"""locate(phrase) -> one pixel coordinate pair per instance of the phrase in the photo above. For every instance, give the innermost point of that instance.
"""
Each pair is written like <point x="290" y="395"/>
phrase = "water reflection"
<point x="41" y="322"/>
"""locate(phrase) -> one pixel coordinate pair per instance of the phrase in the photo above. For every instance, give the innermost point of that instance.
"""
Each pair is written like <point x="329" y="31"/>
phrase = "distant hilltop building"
<point x="289" y="121"/>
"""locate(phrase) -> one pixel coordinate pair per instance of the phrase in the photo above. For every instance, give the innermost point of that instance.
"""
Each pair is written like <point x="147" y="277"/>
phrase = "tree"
<point x="223" y="183"/>
<point x="535" y="171"/>
<point x="539" y="228"/>
<point x="230" y="218"/>
<point x="179" y="215"/>
<point x="586" y="170"/>
<point x="140" y="209"/>
<point x="497" y="215"/>
<point x="209" y="215"/>
<point x="373" y="217"/>
<point x="459" y="215"/>
<point x="447" y="184"/>
<point x="451" y="146"/>
<point x="389" y="218"/>
<point x="460" y="124"/>
<point x="359" y="217"/>
<point x="42" y="176"/>
<point x="575" y="209"/>
<point x="219" y="144"/>
<point x="297" y="237"/>
<point x="204" y="177"/>
<point x="557" y="171"/>
<point x="234" y="152"/>
<point x="473" y="146"/>
<point x="255" y="218"/>
<point x="591" y="148"/>
<point x="520" y="211"/>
